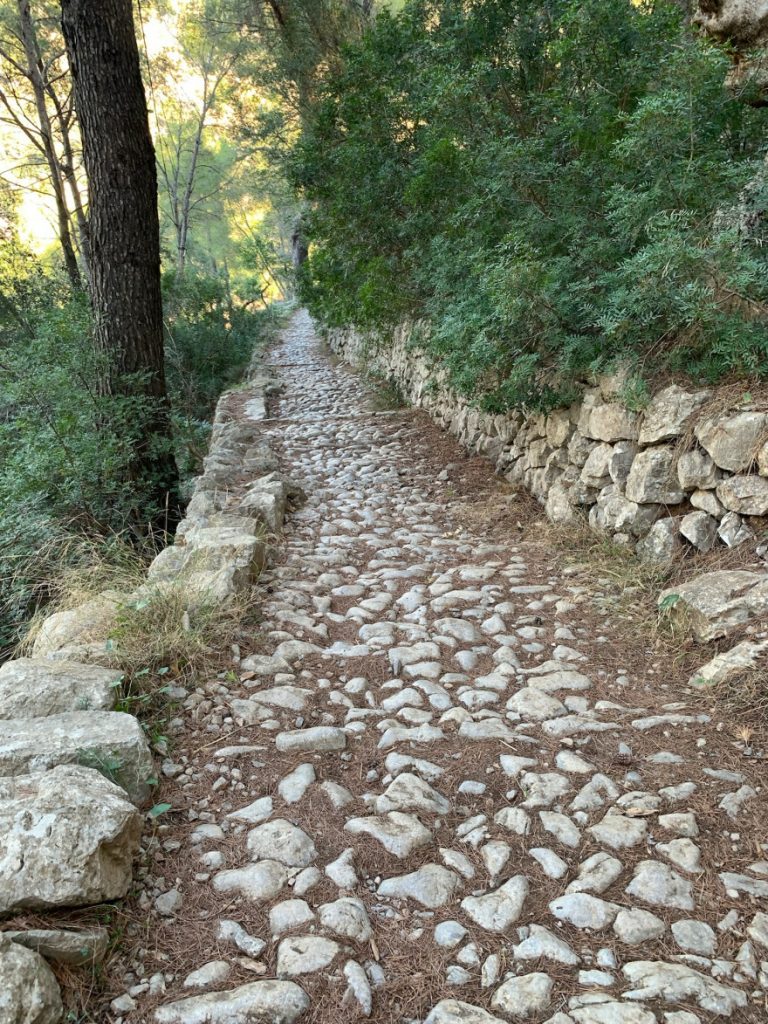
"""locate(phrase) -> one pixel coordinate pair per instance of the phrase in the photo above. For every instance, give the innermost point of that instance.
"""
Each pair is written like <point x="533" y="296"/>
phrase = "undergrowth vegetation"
<point x="68" y="509"/>
<point x="552" y="188"/>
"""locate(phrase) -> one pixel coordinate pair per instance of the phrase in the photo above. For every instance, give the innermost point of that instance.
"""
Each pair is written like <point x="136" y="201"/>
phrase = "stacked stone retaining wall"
<point x="690" y="469"/>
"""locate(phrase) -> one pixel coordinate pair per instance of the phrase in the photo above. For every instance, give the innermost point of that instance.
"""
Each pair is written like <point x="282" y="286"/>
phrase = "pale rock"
<point x="729" y="664"/>
<point x="611" y="1012"/>
<point x="658" y="885"/>
<point x="258" y="882"/>
<point x="289" y="914"/>
<point x="636" y="927"/>
<point x="707" y="502"/>
<point x="596" y="873"/>
<point x="552" y="865"/>
<point x="584" y="911"/>
<point x="619" y="832"/>
<point x="541" y="943"/>
<point x="84" y="946"/>
<point x="732" y="531"/>
<point x="448" y="934"/>
<point x="29" y="993"/>
<point x="732" y="440"/>
<point x="451" y="1011"/>
<point x="409" y="792"/>
<point x="320" y="738"/>
<point x="400" y="834"/>
<point x="342" y="870"/>
<point x="683" y="853"/>
<point x="234" y="933"/>
<point x="358" y="988"/>
<point x="37" y="687"/>
<point x="678" y="983"/>
<point x="747" y="495"/>
<point x="261" y="1002"/>
<point x="305" y="954"/>
<point x="346" y="917"/>
<point x="88" y="623"/>
<point x="661" y="543"/>
<point x="700" y="529"/>
<point x="496" y="911"/>
<point x="653" y="479"/>
<point x="667" y="414"/>
<point x="535" y="705"/>
<point x="213" y="973"/>
<point x="524" y="997"/>
<point x="281" y="841"/>
<point x="717" y="603"/>
<point x="696" y="470"/>
<point x="431" y="885"/>
<point x="109" y="741"/>
<point x="694" y="937"/>
<point x="68" y="838"/>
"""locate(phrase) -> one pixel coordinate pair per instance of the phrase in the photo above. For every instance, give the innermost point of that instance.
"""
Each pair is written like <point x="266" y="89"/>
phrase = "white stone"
<point x="29" y="993"/>
<point x="261" y="1002"/>
<point x="584" y="911"/>
<point x="281" y="841"/>
<point x="346" y="917"/>
<point x="320" y="738"/>
<point x="109" y="741"/>
<point x="524" y="997"/>
<point x="658" y="885"/>
<point x="68" y="837"/>
<point x="496" y="911"/>
<point x="37" y="687"/>
<point x="431" y="885"/>
<point x="305" y="954"/>
<point x="400" y="834"/>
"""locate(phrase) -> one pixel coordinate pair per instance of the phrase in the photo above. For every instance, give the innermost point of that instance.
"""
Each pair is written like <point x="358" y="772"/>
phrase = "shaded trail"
<point x="435" y="780"/>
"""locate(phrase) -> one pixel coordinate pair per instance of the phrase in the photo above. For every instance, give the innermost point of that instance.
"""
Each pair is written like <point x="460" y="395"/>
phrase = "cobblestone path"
<point x="434" y="793"/>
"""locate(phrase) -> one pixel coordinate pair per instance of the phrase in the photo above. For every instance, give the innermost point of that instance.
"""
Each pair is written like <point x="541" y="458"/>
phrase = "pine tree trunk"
<point x="125" y="291"/>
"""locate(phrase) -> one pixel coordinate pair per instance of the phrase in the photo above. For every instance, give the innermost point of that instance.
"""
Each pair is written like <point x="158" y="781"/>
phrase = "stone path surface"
<point x="433" y="792"/>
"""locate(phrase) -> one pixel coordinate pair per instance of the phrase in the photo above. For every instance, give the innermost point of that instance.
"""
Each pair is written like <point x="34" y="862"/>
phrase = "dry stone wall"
<point x="689" y="470"/>
<point x="75" y="775"/>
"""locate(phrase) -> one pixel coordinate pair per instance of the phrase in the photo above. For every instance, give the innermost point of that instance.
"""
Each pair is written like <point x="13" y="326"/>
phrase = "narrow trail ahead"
<point x="436" y="792"/>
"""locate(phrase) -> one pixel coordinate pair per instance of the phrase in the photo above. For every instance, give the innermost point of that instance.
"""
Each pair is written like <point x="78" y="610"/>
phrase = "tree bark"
<point x="37" y="81"/>
<point x="125" y="291"/>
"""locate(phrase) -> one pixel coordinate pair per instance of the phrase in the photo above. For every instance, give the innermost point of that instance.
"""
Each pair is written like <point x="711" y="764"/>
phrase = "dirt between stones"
<point x="401" y="531"/>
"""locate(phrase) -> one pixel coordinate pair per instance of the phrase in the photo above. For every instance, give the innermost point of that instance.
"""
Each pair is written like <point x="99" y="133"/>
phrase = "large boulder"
<point x="29" y="993"/>
<point x="717" y="603"/>
<point x="653" y="478"/>
<point x="88" y="623"/>
<point x="213" y="565"/>
<point x="669" y="412"/>
<point x="111" y="742"/>
<point x="747" y="495"/>
<point x="733" y="441"/>
<point x="67" y="839"/>
<point x="36" y="687"/>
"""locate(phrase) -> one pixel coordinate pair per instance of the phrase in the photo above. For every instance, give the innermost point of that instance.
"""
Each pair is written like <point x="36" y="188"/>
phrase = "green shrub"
<point x="548" y="185"/>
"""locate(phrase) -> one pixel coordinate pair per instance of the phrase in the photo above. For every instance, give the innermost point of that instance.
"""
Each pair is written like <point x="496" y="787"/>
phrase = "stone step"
<point x="37" y="687"/>
<point x="111" y="742"/>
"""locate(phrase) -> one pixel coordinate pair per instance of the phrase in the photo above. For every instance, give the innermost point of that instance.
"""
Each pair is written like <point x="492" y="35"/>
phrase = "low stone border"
<point x="74" y="772"/>
<point x="690" y="469"/>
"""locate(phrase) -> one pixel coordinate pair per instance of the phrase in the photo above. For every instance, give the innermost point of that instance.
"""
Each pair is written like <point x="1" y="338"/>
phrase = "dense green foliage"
<point x="64" y="446"/>
<point x="547" y="186"/>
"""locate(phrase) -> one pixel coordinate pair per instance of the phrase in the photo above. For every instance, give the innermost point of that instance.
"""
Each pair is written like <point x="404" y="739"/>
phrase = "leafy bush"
<point x="548" y="185"/>
<point x="66" y="502"/>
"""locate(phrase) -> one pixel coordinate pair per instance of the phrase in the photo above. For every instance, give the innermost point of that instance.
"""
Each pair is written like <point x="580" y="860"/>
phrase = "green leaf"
<point x="159" y="809"/>
<point x="668" y="602"/>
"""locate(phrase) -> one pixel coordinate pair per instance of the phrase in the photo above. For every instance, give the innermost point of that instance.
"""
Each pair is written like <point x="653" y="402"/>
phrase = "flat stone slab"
<point x="261" y="1002"/>
<point x="111" y="742"/>
<point x="37" y="687"/>
<point x="68" y="838"/>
